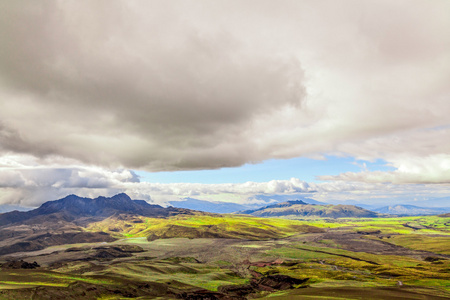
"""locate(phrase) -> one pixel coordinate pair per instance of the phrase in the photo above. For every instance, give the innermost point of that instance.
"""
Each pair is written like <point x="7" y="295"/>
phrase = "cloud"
<point x="147" y="96"/>
<point x="161" y="87"/>
<point x="427" y="170"/>
<point x="90" y="90"/>
<point x="416" y="156"/>
<point x="32" y="185"/>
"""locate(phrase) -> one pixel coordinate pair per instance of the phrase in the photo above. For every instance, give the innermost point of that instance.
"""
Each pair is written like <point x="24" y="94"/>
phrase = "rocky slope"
<point x="77" y="209"/>
<point x="62" y="221"/>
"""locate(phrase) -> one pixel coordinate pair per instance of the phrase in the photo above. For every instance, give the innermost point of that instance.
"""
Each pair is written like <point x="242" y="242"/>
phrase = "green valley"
<point x="207" y="256"/>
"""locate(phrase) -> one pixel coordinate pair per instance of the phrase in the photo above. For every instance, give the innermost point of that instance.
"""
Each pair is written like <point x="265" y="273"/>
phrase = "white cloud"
<point x="32" y="186"/>
<point x="89" y="88"/>
<point x="162" y="87"/>
<point x="427" y="170"/>
<point x="35" y="185"/>
<point x="416" y="156"/>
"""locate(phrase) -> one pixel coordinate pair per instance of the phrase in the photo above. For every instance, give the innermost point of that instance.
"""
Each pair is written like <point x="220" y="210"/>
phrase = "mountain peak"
<point x="301" y="209"/>
<point x="293" y="202"/>
<point x="121" y="195"/>
<point x="75" y="207"/>
<point x="71" y="197"/>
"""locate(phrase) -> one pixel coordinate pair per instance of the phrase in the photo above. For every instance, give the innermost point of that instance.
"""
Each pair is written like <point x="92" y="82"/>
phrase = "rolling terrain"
<point x="63" y="221"/>
<point x="192" y="255"/>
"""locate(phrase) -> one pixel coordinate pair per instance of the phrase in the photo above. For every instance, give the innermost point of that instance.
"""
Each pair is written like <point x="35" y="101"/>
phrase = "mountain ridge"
<point x="281" y="204"/>
<point x="299" y="208"/>
<point x="73" y="207"/>
<point x="63" y="221"/>
<point x="208" y="206"/>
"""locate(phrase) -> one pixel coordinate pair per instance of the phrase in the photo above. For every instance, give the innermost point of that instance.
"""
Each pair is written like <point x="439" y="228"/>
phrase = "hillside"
<point x="85" y="220"/>
<point x="76" y="209"/>
<point x="381" y="258"/>
<point x="301" y="209"/>
<point x="117" y="248"/>
<point x="63" y="221"/>
<point x="201" y="226"/>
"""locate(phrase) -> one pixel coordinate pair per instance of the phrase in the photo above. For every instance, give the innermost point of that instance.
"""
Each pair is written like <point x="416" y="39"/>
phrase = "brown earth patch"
<point x="42" y="241"/>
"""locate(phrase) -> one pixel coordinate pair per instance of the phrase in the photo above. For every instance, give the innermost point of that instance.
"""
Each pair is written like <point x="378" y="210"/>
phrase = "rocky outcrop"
<point x="20" y="264"/>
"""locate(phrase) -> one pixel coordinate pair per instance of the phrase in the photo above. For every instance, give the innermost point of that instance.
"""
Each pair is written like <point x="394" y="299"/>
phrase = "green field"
<point x="226" y="226"/>
<point x="341" y="258"/>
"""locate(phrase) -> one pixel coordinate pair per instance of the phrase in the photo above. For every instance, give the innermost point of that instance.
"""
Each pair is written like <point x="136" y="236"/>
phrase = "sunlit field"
<point x="187" y="253"/>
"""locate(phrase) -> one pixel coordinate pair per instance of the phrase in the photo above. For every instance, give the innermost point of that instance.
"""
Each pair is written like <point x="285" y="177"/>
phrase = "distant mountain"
<point x="273" y="206"/>
<point x="301" y="209"/>
<point x="227" y="207"/>
<point x="410" y="210"/>
<point x="284" y="198"/>
<point x="8" y="207"/>
<point x="212" y="207"/>
<point x="61" y="221"/>
<point x="72" y="208"/>
<point x="370" y="207"/>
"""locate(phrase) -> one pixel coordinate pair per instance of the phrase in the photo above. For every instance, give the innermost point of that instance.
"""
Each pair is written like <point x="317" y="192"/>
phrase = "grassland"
<point x="382" y="258"/>
<point x="201" y="226"/>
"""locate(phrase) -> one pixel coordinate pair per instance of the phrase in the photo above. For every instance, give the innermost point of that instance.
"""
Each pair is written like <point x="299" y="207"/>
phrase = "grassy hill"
<point x="300" y="209"/>
<point x="124" y="255"/>
<point x="380" y="258"/>
<point x="201" y="226"/>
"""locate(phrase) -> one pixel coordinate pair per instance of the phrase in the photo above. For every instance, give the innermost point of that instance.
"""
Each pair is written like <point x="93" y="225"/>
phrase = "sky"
<point x="225" y="100"/>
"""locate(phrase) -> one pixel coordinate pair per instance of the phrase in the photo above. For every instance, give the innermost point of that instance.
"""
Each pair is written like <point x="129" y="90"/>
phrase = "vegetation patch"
<point x="437" y="244"/>
<point x="188" y="226"/>
<point x="348" y="257"/>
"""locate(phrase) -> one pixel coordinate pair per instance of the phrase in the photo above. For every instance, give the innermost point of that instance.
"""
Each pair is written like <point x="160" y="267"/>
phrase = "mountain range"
<point x="208" y="206"/>
<point x="63" y="221"/>
<point x="299" y="208"/>
<point x="116" y="247"/>
<point x="271" y="199"/>
<point x="81" y="210"/>
<point x="228" y="207"/>
<point x="432" y="206"/>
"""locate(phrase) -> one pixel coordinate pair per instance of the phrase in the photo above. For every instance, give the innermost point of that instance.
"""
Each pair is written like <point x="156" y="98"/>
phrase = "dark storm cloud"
<point x="125" y="91"/>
